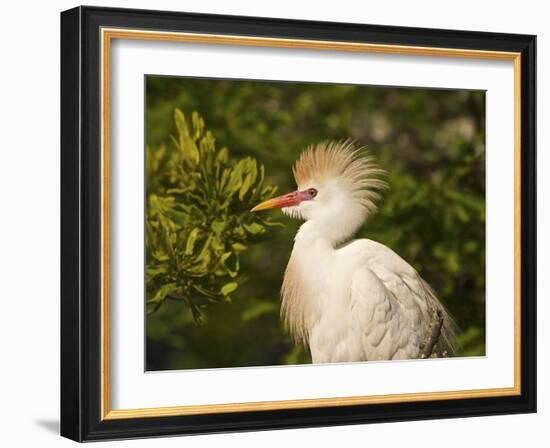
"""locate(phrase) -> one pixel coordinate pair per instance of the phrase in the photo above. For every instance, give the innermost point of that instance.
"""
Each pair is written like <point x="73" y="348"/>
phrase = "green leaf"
<point x="160" y="255"/>
<point x="222" y="155"/>
<point x="254" y="228"/>
<point x="181" y="123"/>
<point x="162" y="292"/>
<point x="155" y="270"/>
<point x="191" y="241"/>
<point x="238" y="247"/>
<point x="228" y="288"/>
<point x="245" y="186"/>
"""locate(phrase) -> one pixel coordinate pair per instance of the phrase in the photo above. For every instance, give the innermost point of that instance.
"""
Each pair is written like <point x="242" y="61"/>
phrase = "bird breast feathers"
<point x="363" y="281"/>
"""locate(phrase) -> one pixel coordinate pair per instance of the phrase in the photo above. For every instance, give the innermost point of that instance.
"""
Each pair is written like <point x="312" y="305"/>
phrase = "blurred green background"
<point x="430" y="141"/>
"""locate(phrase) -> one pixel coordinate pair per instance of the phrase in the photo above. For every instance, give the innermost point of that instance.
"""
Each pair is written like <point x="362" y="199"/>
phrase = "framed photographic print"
<point x="274" y="224"/>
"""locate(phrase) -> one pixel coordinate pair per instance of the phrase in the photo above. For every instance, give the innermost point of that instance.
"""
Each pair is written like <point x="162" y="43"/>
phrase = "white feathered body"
<point x="357" y="302"/>
<point x="350" y="300"/>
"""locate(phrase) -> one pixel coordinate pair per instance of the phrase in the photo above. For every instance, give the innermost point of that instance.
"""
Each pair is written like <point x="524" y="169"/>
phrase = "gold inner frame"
<point x="107" y="35"/>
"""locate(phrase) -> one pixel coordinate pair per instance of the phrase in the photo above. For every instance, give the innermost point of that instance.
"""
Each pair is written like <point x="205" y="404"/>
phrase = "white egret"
<point x="351" y="300"/>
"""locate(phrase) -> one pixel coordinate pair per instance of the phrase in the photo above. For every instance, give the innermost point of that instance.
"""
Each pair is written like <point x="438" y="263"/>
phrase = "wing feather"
<point x="392" y="308"/>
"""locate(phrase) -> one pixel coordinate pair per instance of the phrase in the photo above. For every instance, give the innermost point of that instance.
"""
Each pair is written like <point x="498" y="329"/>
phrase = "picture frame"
<point x="87" y="35"/>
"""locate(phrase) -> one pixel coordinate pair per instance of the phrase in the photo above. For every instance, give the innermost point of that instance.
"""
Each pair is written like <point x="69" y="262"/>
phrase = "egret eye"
<point x="312" y="192"/>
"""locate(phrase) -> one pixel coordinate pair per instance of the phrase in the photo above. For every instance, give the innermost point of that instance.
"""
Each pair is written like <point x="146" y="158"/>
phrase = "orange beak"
<point x="286" y="200"/>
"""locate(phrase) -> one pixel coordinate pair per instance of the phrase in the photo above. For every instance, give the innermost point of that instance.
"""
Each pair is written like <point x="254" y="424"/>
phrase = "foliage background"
<point x="431" y="142"/>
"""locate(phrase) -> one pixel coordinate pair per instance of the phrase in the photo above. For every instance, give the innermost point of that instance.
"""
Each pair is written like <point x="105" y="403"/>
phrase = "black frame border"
<point x="81" y="223"/>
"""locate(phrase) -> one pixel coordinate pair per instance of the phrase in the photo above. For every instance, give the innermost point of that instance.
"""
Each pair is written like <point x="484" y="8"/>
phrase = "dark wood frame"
<point x="81" y="414"/>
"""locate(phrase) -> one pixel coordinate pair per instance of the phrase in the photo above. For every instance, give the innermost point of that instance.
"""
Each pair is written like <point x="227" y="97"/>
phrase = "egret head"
<point x="337" y="186"/>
